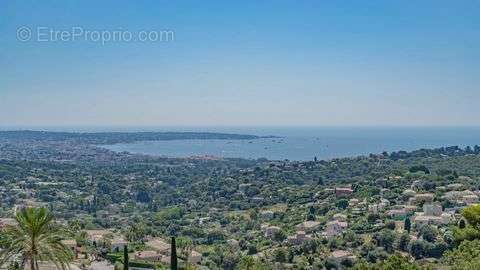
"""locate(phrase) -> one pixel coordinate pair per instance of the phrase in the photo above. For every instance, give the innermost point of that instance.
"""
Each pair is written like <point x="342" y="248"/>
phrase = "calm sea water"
<point x="305" y="143"/>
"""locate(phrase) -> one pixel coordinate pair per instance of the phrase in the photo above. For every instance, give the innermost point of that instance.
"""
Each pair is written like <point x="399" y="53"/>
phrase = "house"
<point x="421" y="198"/>
<point x="257" y="199"/>
<point x="397" y="213"/>
<point x="455" y="186"/>
<point x="195" y="257"/>
<point x="356" y="211"/>
<point x="384" y="202"/>
<point x="298" y="238"/>
<point x="243" y="187"/>
<point x="353" y="202"/>
<point x="334" y="228"/>
<point x="469" y="199"/>
<point x="97" y="235"/>
<point x="452" y="196"/>
<point x="432" y="214"/>
<point x="7" y="221"/>
<point x="374" y="208"/>
<point x="432" y="209"/>
<point x="70" y="243"/>
<point x="409" y="193"/>
<point x="148" y="255"/>
<point x="410" y="209"/>
<point x="161" y="252"/>
<point x="340" y="217"/>
<point x="340" y="255"/>
<point x="308" y="226"/>
<point x="381" y="182"/>
<point x="159" y="245"/>
<point x="232" y="243"/>
<point x="419" y="219"/>
<point x="465" y="197"/>
<point x="328" y="190"/>
<point x="267" y="214"/>
<point x="377" y="207"/>
<point x="340" y="192"/>
<point x="118" y="244"/>
<point x="270" y="231"/>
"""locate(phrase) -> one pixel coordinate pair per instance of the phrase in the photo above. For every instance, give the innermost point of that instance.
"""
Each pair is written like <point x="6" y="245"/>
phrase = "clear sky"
<point x="242" y="63"/>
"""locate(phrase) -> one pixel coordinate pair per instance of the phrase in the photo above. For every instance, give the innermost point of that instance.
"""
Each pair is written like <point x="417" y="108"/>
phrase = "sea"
<point x="304" y="143"/>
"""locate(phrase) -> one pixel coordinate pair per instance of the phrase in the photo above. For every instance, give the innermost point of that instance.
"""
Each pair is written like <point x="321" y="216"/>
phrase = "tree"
<point x="173" y="255"/>
<point x="280" y="255"/>
<point x="320" y="181"/>
<point x="185" y="245"/>
<point x="403" y="242"/>
<point x="468" y="233"/>
<point x="418" y="249"/>
<point x="125" y="257"/>
<point x="35" y="238"/>
<point x="279" y="236"/>
<point x="461" y="224"/>
<point x="247" y="263"/>
<point x="428" y="233"/>
<point x="419" y="168"/>
<point x="408" y="224"/>
<point x="385" y="238"/>
<point x="395" y="262"/>
<point x="311" y="210"/>
<point x="250" y="263"/>
<point x="118" y="266"/>
<point x="390" y="225"/>
<point x="342" y="203"/>
<point x="472" y="215"/>
<point x="466" y="256"/>
<point x="437" y="249"/>
<point x="136" y="232"/>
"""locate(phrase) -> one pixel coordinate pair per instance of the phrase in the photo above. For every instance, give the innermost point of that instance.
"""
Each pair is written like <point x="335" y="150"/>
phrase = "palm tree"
<point x="35" y="238"/>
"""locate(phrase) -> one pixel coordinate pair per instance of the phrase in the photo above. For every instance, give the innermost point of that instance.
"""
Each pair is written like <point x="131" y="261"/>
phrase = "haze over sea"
<point x="304" y="143"/>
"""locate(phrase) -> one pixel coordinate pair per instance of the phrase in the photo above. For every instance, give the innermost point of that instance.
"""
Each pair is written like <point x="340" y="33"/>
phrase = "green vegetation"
<point x="407" y="210"/>
<point x="35" y="238"/>
<point x="466" y="256"/>
<point x="395" y="262"/>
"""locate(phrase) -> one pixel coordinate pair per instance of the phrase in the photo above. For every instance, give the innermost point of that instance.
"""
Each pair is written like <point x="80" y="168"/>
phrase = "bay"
<point x="305" y="143"/>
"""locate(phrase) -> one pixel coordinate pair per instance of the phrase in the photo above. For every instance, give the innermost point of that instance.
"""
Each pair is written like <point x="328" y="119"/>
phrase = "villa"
<point x="335" y="228"/>
<point x="298" y="238"/>
<point x="308" y="226"/>
<point x="432" y="214"/>
<point x="159" y="245"/>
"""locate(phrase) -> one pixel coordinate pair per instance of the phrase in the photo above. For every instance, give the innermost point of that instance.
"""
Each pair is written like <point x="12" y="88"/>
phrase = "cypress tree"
<point x="173" y="256"/>
<point x="408" y="224"/>
<point x="125" y="257"/>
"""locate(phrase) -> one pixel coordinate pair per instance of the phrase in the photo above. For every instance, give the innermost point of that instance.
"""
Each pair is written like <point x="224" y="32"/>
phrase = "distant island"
<point x="103" y="138"/>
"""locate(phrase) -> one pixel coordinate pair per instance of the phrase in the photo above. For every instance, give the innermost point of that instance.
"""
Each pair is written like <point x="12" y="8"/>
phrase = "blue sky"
<point x="318" y="63"/>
